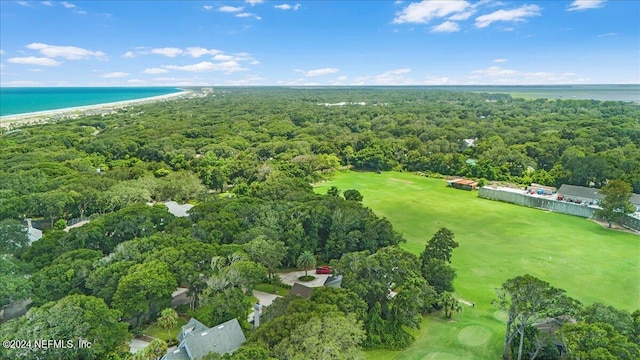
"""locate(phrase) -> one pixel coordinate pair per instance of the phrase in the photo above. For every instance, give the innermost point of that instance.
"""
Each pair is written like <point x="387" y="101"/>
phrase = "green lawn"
<point x="497" y="241"/>
<point x="268" y="288"/>
<point x="158" y="332"/>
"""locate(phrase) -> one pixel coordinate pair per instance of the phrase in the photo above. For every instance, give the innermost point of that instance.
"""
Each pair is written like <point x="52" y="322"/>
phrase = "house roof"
<point x="176" y="354"/>
<point x="573" y="190"/>
<point x="34" y="234"/>
<point x="593" y="193"/>
<point x="333" y="281"/>
<point x="222" y="339"/>
<point x="192" y="327"/>
<point x="301" y="290"/>
<point x="179" y="210"/>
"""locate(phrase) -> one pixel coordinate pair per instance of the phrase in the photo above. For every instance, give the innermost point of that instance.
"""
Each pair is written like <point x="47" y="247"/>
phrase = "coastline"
<point x="42" y="117"/>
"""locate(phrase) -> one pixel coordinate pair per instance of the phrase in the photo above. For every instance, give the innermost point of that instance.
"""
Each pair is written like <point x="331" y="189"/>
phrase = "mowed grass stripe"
<point x="497" y="241"/>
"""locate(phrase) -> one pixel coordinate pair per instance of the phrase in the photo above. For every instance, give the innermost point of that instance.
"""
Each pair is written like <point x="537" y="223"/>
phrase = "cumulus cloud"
<point x="436" y="80"/>
<point x="230" y="9"/>
<point x="167" y="51"/>
<point x="67" y="52"/>
<point x="254" y="2"/>
<point x="47" y="3"/>
<point x="1" y="52"/>
<point x="155" y="71"/>
<point x="207" y="7"/>
<point x="206" y="66"/>
<point x="288" y="7"/>
<point x="68" y="5"/>
<point x="499" y="61"/>
<point x="32" y="60"/>
<point x="514" y="15"/>
<point x="24" y="3"/>
<point x="129" y="55"/>
<point x="117" y="74"/>
<point x="197" y="51"/>
<point x="255" y="62"/>
<point x="580" y="5"/>
<point x="425" y="11"/>
<point x="446" y="27"/>
<point x="321" y="72"/>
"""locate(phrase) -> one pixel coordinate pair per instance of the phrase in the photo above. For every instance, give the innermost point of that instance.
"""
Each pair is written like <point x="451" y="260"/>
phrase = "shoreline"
<point x="42" y="117"/>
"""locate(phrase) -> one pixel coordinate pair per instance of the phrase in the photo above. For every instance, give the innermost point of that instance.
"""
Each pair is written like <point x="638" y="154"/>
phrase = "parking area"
<point x="292" y="277"/>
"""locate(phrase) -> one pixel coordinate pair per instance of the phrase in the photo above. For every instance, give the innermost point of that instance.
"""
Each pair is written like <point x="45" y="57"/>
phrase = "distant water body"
<point x="22" y="100"/>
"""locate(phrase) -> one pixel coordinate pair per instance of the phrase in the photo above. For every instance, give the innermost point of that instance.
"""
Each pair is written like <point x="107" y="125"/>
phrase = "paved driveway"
<point x="265" y="299"/>
<point x="292" y="277"/>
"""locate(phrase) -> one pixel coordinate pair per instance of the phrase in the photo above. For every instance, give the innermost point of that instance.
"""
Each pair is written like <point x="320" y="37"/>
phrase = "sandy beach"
<point x="40" y="117"/>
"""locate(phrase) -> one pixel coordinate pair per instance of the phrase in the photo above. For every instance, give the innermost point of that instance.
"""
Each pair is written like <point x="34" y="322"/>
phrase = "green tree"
<point x="615" y="204"/>
<point x="268" y="253"/>
<point x="435" y="261"/>
<point x="218" y="306"/>
<point x="597" y="341"/>
<point x="449" y="304"/>
<point x="145" y="289"/>
<point x="306" y="261"/>
<point x="353" y="195"/>
<point x="168" y="319"/>
<point x="60" y="224"/>
<point x="331" y="337"/>
<point x="14" y="285"/>
<point x="14" y="237"/>
<point x="75" y="318"/>
<point x="526" y="300"/>
<point x="155" y="350"/>
<point x="333" y="191"/>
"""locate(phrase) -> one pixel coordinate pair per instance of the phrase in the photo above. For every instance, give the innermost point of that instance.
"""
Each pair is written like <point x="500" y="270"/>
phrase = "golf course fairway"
<point x="497" y="241"/>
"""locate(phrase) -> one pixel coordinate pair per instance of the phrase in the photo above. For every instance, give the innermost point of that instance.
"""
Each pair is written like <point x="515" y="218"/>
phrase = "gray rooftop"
<point x="192" y="327"/>
<point x="301" y="290"/>
<point x="222" y="339"/>
<point x="593" y="193"/>
<point x="176" y="354"/>
<point x="179" y="210"/>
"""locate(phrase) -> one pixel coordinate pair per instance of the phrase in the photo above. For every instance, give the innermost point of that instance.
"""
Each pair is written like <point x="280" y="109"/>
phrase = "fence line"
<point x="548" y="204"/>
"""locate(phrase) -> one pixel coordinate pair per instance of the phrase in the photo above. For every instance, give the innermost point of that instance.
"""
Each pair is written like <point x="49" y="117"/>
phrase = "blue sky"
<point x="263" y="42"/>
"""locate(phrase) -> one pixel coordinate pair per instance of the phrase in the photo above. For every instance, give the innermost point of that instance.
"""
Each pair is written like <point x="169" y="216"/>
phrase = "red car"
<point x="324" y="270"/>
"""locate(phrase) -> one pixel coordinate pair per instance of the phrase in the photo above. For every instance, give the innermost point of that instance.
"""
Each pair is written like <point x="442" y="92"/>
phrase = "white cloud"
<point x="425" y="11"/>
<point x="496" y="75"/>
<point x="247" y="14"/>
<point x="155" y="71"/>
<point x="21" y="83"/>
<point x="254" y="2"/>
<point x="117" y="74"/>
<point x="207" y="7"/>
<point x="129" y="55"/>
<point x="198" y="51"/>
<point x="393" y="77"/>
<point x="67" y="52"/>
<point x="35" y="70"/>
<point x="24" y="3"/>
<point x="136" y="82"/>
<point x="515" y="15"/>
<point x="32" y="60"/>
<point x="230" y="9"/>
<point x="206" y="66"/>
<point x="47" y="3"/>
<point x="462" y="16"/>
<point x="222" y="57"/>
<point x="321" y="72"/>
<point x="499" y="61"/>
<point x="1" y="52"/>
<point x="609" y="34"/>
<point x="255" y="62"/>
<point x="579" y="5"/>
<point x="447" y="27"/>
<point x="68" y="5"/>
<point x="436" y="80"/>
<point x="287" y="7"/>
<point x="167" y="51"/>
<point x="81" y="12"/>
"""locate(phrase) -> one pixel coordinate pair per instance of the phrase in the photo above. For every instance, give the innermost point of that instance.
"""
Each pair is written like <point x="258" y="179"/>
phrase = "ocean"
<point x="25" y="100"/>
<point x="21" y="100"/>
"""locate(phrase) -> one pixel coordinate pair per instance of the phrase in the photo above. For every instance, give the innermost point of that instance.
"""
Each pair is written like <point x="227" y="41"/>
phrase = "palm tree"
<point x="306" y="261"/>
